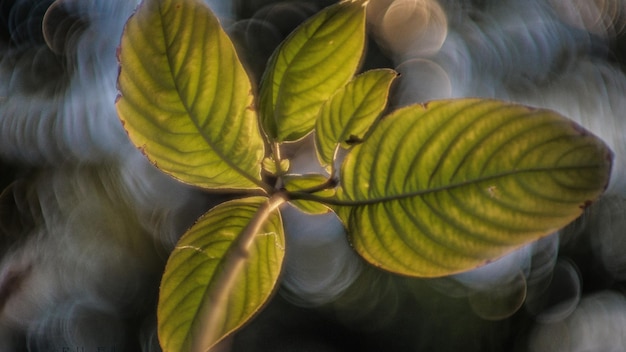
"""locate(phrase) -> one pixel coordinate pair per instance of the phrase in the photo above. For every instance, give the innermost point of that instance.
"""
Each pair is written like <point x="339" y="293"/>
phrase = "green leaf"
<point x="303" y="183"/>
<point x="446" y="187"/>
<point x="269" y="166"/>
<point x="350" y="113"/>
<point x="185" y="99"/>
<point x="318" y="58"/>
<point x="220" y="274"/>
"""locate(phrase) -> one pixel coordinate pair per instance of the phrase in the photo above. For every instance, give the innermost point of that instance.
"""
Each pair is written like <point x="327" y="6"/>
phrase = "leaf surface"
<point x="217" y="278"/>
<point x="316" y="59"/>
<point x="185" y="99"/>
<point x="300" y="183"/>
<point x="350" y="113"/>
<point x="449" y="186"/>
<point x="269" y="166"/>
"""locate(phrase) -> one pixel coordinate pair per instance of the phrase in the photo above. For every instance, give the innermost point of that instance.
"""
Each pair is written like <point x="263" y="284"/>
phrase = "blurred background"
<point x="86" y="223"/>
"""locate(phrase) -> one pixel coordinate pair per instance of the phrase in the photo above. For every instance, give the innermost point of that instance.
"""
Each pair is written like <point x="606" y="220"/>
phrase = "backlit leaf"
<point x="217" y="279"/>
<point x="299" y="183"/>
<point x="185" y="100"/>
<point x="350" y="113"/>
<point x="449" y="186"/>
<point x="318" y="58"/>
<point x="269" y="166"/>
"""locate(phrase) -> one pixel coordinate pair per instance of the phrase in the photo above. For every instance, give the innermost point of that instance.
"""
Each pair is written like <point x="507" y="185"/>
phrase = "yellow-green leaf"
<point x="348" y="115"/>
<point x="303" y="183"/>
<point x="220" y="274"/>
<point x="269" y="166"/>
<point x="448" y="186"/>
<point x="185" y="100"/>
<point x="318" y="58"/>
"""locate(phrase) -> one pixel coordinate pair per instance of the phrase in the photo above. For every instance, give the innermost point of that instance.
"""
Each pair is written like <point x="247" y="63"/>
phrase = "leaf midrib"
<point x="206" y="138"/>
<point x="300" y="51"/>
<point x="351" y="202"/>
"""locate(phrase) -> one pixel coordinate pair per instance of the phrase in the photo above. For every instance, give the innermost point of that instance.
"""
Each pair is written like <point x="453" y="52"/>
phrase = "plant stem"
<point x="277" y="159"/>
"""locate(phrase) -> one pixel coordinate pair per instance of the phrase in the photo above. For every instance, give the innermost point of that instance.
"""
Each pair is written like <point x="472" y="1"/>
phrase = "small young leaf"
<point x="220" y="274"/>
<point x="449" y="186"/>
<point x="185" y="98"/>
<point x="348" y="115"/>
<point x="269" y="166"/>
<point x="318" y="58"/>
<point x="295" y="183"/>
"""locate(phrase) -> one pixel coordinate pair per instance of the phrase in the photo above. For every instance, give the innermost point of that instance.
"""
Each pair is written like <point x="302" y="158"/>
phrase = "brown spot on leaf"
<point x="609" y="158"/>
<point x="493" y="191"/>
<point x="578" y="128"/>
<point x="353" y="140"/>
<point x="532" y="108"/>
<point x="609" y="155"/>
<point x="586" y="205"/>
